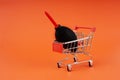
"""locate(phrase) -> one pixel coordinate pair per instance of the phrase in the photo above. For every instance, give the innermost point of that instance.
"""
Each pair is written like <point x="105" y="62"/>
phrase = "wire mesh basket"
<point x="80" y="46"/>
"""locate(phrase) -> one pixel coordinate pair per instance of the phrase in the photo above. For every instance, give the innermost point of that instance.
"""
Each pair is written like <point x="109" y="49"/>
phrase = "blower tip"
<point x="51" y="19"/>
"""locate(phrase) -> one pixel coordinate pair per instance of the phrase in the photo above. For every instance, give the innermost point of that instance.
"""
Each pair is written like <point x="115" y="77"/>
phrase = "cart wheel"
<point x="59" y="65"/>
<point x="69" y="67"/>
<point x="75" y="59"/>
<point x="90" y="63"/>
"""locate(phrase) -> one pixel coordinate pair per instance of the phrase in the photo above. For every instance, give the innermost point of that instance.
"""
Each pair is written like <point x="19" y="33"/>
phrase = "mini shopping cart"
<point x="84" y="43"/>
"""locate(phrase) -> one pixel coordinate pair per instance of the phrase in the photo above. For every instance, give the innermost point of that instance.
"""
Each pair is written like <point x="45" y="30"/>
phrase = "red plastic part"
<point x="51" y="19"/>
<point x="57" y="47"/>
<point x="92" y="29"/>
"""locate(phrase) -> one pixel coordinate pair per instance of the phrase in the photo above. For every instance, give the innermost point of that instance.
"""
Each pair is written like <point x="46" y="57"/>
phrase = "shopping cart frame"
<point x="84" y="43"/>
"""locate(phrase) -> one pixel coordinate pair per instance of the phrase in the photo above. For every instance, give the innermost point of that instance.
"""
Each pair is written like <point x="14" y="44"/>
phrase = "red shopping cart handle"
<point x="92" y="29"/>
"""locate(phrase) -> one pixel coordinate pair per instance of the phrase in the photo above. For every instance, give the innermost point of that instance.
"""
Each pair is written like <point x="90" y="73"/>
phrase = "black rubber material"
<point x="58" y="65"/>
<point x="75" y="60"/>
<point x="65" y="34"/>
<point x="90" y="64"/>
<point x="68" y="69"/>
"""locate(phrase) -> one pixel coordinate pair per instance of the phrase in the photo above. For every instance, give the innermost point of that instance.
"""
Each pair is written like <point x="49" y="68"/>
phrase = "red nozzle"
<point x="51" y="19"/>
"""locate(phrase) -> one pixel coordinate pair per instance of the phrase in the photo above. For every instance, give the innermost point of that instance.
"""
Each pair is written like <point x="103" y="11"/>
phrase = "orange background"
<point x="26" y="37"/>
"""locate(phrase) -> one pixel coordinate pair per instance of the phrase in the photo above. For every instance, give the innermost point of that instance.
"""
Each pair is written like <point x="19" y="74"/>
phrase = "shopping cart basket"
<point x="84" y="43"/>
